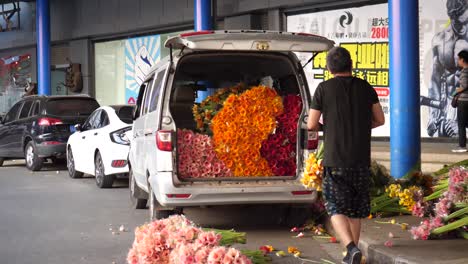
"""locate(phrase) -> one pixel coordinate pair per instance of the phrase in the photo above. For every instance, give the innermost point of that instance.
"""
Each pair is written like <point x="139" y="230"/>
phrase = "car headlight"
<point x="120" y="136"/>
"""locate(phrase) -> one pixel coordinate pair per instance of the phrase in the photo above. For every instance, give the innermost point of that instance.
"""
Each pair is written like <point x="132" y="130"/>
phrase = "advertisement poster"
<point x="140" y="55"/>
<point x="364" y="33"/>
<point x="15" y="77"/>
<point x="443" y="33"/>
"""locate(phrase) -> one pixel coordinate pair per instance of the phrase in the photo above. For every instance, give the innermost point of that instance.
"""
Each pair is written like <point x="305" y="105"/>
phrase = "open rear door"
<point x="253" y="40"/>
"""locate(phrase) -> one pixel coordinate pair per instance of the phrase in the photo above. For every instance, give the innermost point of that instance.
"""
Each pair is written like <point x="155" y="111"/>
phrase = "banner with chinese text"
<point x="363" y="32"/>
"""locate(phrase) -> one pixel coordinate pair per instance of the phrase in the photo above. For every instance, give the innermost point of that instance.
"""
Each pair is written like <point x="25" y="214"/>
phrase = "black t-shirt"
<point x="346" y="106"/>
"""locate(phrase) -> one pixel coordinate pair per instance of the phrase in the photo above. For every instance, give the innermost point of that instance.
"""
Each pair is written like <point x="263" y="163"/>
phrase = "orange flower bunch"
<point x="241" y="126"/>
<point x="208" y="108"/>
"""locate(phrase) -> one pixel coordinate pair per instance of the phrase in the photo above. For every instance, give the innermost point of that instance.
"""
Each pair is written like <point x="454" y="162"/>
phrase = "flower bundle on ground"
<point x="197" y="158"/>
<point x="396" y="199"/>
<point x="450" y="213"/>
<point x="240" y="127"/>
<point x="208" y="108"/>
<point x="280" y="148"/>
<point x="176" y="240"/>
<point x="313" y="171"/>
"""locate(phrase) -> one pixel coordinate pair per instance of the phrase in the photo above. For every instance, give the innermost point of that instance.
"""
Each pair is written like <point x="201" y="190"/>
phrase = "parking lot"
<point x="47" y="217"/>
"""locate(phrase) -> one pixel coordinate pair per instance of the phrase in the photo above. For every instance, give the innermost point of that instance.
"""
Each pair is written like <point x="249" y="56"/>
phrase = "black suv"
<point x="38" y="127"/>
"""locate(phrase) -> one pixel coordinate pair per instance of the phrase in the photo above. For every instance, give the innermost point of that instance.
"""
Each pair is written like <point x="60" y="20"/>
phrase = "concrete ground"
<point x="47" y="217"/>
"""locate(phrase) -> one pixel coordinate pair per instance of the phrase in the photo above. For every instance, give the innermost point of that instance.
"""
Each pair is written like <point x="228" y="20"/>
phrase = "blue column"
<point x="405" y="117"/>
<point x="202" y="15"/>
<point x="203" y="21"/>
<point x="43" y="46"/>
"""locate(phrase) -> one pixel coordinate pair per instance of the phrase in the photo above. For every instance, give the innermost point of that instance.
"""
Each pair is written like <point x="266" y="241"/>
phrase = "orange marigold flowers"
<point x="237" y="136"/>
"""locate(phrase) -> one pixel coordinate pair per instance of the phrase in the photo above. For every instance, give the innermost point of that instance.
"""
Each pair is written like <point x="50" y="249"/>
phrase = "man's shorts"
<point x="346" y="191"/>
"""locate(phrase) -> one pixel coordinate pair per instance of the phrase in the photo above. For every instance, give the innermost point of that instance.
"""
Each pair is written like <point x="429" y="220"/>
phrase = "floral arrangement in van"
<point x="208" y="108"/>
<point x="450" y="213"/>
<point x="280" y="148"/>
<point x="178" y="240"/>
<point x="197" y="158"/>
<point x="240" y="127"/>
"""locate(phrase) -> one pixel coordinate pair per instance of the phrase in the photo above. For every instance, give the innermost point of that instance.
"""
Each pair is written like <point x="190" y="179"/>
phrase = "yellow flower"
<point x="280" y="254"/>
<point x="292" y="250"/>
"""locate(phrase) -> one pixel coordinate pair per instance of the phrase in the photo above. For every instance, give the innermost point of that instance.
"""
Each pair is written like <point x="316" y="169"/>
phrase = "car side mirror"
<point x="78" y="127"/>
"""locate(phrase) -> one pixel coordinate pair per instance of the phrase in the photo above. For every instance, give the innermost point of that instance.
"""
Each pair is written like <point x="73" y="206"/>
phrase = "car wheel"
<point x="102" y="180"/>
<point x="71" y="165"/>
<point x="135" y="192"/>
<point x="33" y="161"/>
<point x="1" y="161"/>
<point x="154" y="212"/>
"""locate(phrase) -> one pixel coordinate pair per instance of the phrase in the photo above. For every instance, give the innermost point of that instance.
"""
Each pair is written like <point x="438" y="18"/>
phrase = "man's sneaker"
<point x="459" y="150"/>
<point x="355" y="256"/>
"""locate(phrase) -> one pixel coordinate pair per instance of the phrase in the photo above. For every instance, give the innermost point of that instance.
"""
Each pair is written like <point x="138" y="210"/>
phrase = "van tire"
<point x="154" y="213"/>
<point x="72" y="172"/>
<point x="135" y="192"/>
<point x="102" y="180"/>
<point x="33" y="161"/>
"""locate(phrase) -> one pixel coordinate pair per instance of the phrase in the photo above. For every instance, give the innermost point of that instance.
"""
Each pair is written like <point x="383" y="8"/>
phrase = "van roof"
<point x="250" y="40"/>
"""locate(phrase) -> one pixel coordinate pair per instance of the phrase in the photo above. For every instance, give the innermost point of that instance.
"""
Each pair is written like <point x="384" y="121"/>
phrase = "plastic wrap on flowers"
<point x="197" y="158"/>
<point x="280" y="148"/>
<point x="241" y="126"/>
<point x="177" y="240"/>
<point x="208" y="108"/>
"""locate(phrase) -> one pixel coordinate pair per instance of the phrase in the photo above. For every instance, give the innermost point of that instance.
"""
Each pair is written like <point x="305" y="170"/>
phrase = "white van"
<point x="204" y="62"/>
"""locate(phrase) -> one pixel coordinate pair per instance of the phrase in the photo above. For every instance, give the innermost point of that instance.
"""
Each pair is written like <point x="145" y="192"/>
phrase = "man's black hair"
<point x="463" y="55"/>
<point x="339" y="60"/>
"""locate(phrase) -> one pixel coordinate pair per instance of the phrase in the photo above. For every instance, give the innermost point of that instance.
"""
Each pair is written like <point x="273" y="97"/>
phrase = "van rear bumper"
<point x="269" y="192"/>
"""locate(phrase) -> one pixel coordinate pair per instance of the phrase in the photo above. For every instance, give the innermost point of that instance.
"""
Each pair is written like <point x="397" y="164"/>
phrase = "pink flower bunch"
<point x="419" y="209"/>
<point x="422" y="231"/>
<point x="176" y="240"/>
<point x="442" y="208"/>
<point x="458" y="182"/>
<point x="197" y="158"/>
<point x="280" y="148"/>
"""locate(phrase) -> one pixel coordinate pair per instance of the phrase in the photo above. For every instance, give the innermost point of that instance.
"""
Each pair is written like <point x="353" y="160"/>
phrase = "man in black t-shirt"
<point x="350" y="108"/>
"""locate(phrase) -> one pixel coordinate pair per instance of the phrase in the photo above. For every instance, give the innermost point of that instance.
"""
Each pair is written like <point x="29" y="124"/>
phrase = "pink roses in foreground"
<point x="176" y="240"/>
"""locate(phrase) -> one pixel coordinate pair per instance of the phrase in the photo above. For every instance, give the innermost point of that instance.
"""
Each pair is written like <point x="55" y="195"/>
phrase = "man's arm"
<point x="378" y="117"/>
<point x="313" y="120"/>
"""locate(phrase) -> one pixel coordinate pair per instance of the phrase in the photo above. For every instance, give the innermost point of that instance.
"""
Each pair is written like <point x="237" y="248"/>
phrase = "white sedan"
<point x="100" y="146"/>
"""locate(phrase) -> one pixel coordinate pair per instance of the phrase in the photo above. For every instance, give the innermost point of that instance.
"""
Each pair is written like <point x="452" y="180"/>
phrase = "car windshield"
<point x="71" y="106"/>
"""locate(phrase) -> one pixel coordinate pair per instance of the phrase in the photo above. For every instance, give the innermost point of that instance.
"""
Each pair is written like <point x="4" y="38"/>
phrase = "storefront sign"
<point x="364" y="33"/>
<point x="140" y="55"/>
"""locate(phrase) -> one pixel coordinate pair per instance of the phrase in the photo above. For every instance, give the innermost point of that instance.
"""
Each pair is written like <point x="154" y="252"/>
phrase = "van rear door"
<point x="250" y="40"/>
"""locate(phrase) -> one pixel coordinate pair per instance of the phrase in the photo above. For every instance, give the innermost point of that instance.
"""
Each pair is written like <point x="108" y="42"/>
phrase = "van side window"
<point x="13" y="113"/>
<point x="139" y="102"/>
<point x="25" y="109"/>
<point x="156" y="90"/>
<point x="146" y="100"/>
<point x="35" y="109"/>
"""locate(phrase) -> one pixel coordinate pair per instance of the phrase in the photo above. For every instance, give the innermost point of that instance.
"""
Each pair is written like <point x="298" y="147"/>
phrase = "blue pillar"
<point x="203" y="21"/>
<point x="405" y="117"/>
<point x="203" y="18"/>
<point x="43" y="46"/>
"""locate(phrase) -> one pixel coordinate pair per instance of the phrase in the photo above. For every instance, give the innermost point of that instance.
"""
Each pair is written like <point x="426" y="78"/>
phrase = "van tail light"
<point x="178" y="195"/>
<point x="312" y="139"/>
<point x="196" y="33"/>
<point x="48" y="121"/>
<point x="164" y="140"/>
<point x="301" y="192"/>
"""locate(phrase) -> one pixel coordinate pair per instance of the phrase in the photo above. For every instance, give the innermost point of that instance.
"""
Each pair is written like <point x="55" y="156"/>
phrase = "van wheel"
<point x="71" y="165"/>
<point x="1" y="161"/>
<point x="154" y="213"/>
<point x="135" y="193"/>
<point x="102" y="180"/>
<point x="33" y="162"/>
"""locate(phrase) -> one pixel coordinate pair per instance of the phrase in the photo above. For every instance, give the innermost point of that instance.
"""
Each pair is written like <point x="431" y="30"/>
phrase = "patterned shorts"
<point x="346" y="191"/>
